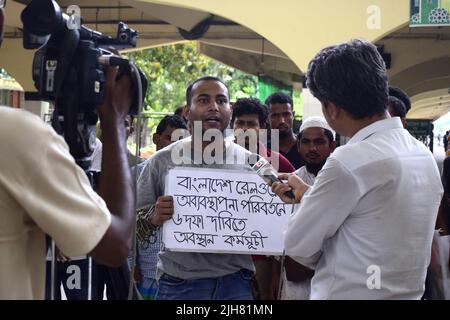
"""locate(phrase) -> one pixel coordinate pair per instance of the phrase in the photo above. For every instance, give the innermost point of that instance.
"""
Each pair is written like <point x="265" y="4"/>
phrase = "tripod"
<point x="78" y="129"/>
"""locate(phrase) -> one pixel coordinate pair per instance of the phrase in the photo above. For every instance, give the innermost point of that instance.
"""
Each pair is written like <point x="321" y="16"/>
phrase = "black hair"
<point x="328" y="133"/>
<point x="280" y="98"/>
<point x="179" y="111"/>
<point x="401" y="95"/>
<point x="173" y="121"/>
<point x="250" y="106"/>
<point x="352" y="76"/>
<point x="207" y="78"/>
<point x="398" y="107"/>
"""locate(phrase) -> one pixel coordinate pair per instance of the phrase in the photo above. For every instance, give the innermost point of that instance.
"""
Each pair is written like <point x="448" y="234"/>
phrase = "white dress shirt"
<point x="372" y="208"/>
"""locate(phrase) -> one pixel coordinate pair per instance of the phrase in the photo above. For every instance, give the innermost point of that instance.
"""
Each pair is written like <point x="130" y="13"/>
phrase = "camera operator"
<point x="43" y="191"/>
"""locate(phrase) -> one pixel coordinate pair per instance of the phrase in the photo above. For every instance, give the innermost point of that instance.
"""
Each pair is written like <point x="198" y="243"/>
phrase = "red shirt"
<point x="284" y="166"/>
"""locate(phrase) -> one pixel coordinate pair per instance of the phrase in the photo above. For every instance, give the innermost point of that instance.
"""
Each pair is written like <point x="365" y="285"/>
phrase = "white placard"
<point x="224" y="211"/>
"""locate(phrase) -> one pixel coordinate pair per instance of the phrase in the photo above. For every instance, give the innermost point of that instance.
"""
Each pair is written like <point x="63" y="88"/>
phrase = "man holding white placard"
<point x="187" y="275"/>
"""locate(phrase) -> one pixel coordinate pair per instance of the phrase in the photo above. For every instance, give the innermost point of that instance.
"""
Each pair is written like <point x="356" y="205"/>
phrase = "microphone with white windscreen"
<point x="265" y="170"/>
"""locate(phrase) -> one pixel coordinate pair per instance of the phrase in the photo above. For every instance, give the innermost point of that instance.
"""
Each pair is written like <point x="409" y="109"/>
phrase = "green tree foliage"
<point x="170" y="69"/>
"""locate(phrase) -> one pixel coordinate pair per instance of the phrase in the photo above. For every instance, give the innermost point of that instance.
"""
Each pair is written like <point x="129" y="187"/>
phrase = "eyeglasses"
<point x="2" y="4"/>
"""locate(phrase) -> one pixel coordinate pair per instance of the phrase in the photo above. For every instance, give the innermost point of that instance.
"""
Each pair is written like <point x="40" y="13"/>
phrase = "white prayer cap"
<point x="315" y="122"/>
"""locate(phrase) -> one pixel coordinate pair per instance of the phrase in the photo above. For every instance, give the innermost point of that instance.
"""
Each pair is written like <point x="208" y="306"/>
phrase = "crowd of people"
<point x="371" y="204"/>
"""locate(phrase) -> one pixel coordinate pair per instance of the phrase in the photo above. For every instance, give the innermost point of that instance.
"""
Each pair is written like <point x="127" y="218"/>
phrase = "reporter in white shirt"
<point x="366" y="225"/>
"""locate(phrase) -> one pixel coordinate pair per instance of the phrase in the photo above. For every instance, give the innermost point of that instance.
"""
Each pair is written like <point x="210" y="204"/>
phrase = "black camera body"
<point x="69" y="70"/>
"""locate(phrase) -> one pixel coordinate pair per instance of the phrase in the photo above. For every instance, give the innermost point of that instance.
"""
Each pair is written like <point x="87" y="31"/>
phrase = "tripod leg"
<point x="89" y="297"/>
<point x="53" y="271"/>
<point x="281" y="281"/>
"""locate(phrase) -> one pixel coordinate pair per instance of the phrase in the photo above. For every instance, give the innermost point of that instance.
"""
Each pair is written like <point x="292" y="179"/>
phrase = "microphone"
<point x="265" y="170"/>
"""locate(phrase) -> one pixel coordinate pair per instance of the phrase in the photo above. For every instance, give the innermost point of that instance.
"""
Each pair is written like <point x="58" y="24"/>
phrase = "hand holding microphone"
<point x="294" y="183"/>
<point x="289" y="192"/>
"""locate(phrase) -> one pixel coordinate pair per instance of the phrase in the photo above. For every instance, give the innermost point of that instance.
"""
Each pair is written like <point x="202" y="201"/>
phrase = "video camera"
<point x="69" y="70"/>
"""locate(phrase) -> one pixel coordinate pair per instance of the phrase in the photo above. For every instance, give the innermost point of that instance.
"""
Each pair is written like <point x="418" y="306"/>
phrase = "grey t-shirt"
<point x="151" y="185"/>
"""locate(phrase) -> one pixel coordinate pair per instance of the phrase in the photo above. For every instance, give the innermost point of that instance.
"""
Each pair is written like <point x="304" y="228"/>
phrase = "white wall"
<point x="311" y="106"/>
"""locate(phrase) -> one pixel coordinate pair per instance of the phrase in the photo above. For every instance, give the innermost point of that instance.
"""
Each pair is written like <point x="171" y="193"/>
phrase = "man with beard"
<point x="190" y="275"/>
<point x="281" y="117"/>
<point x="315" y="143"/>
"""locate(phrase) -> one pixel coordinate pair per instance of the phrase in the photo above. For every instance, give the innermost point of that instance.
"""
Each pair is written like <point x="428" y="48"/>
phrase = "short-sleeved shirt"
<point x="151" y="185"/>
<point x="42" y="191"/>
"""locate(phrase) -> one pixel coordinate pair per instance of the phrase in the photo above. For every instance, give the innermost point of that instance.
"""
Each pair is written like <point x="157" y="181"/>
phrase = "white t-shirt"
<point x="305" y="175"/>
<point x="367" y="223"/>
<point x="42" y="190"/>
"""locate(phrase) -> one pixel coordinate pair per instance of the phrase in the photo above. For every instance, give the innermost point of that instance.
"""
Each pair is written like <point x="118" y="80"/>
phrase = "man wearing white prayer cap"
<point x="315" y="143"/>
